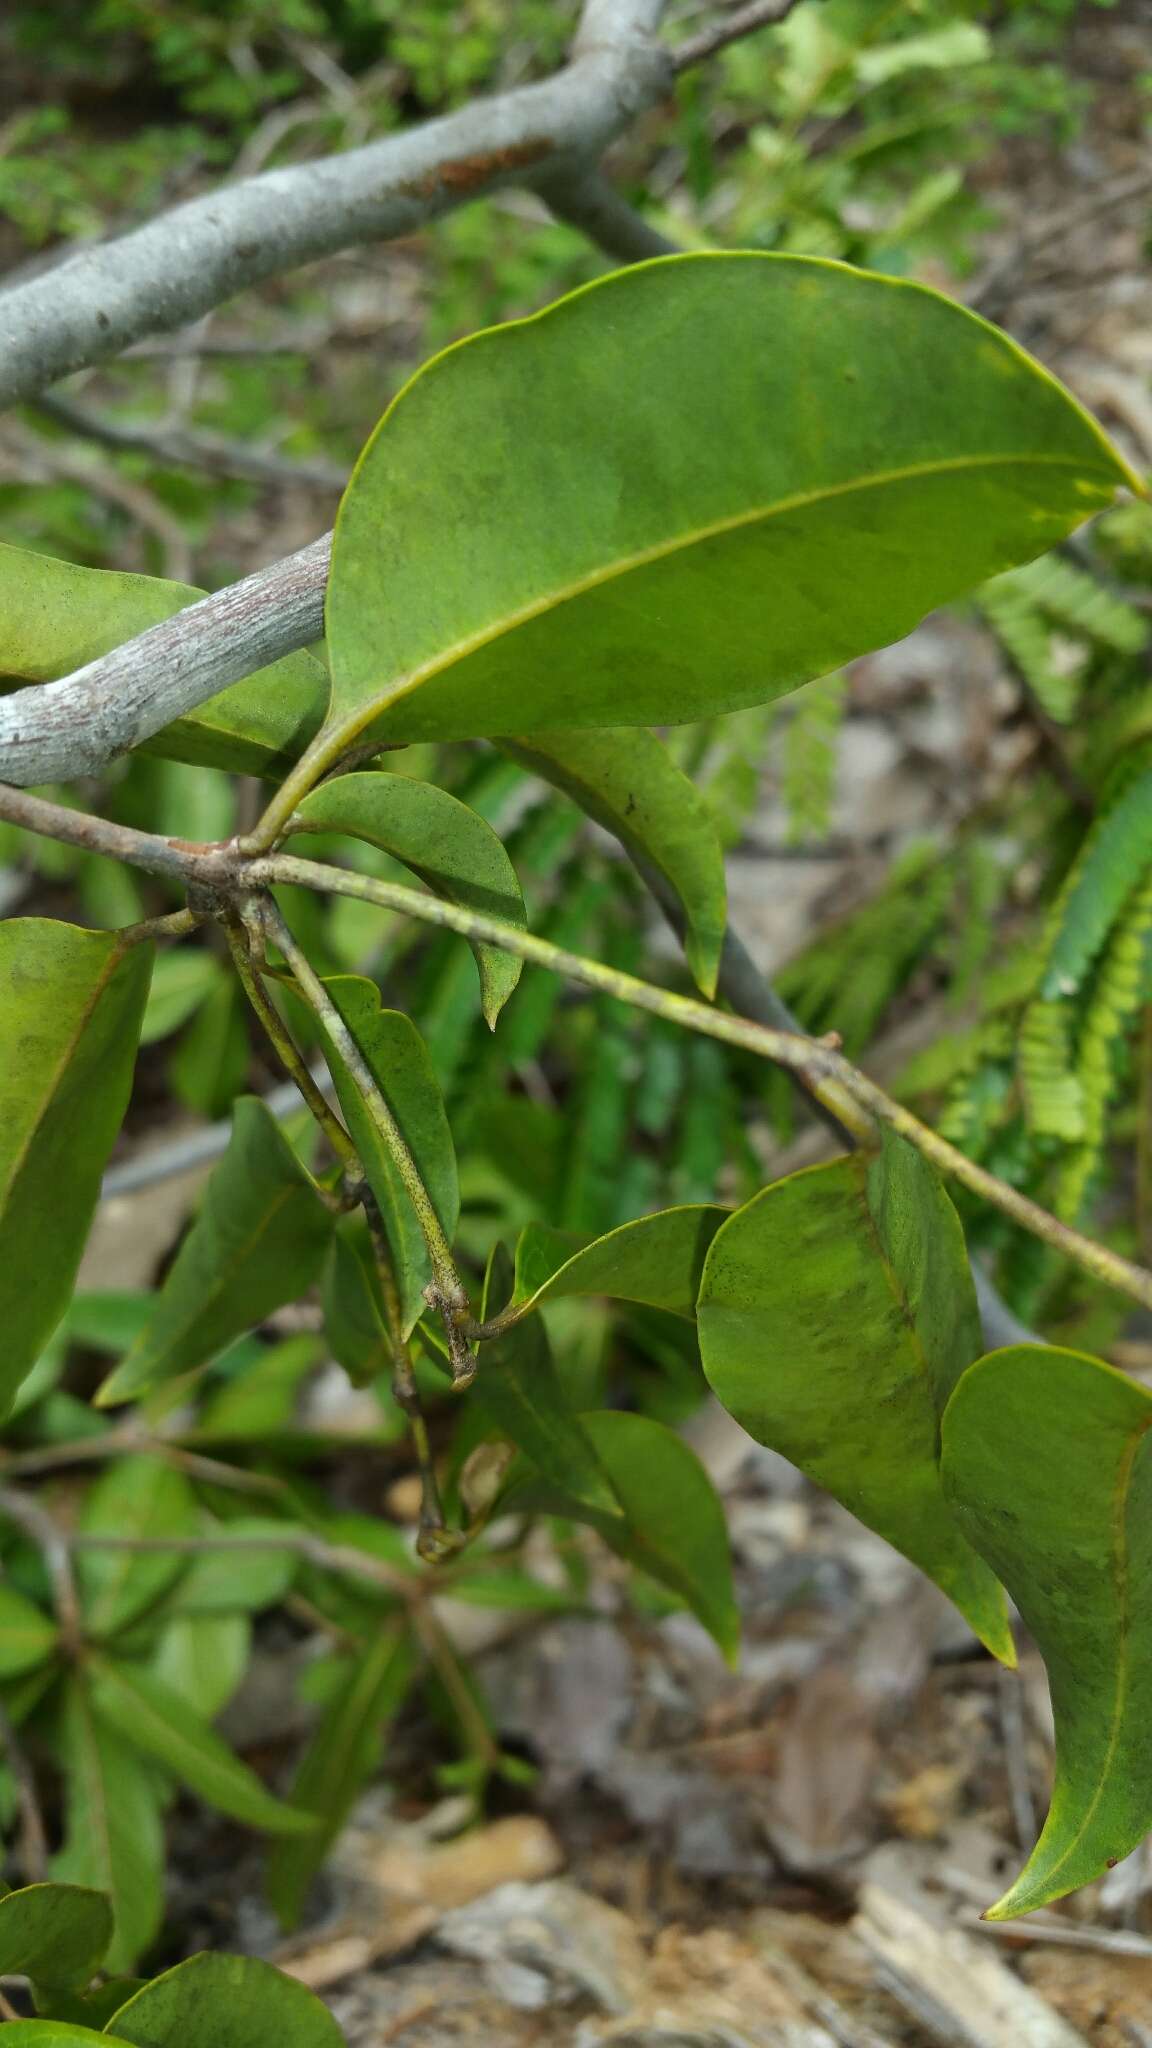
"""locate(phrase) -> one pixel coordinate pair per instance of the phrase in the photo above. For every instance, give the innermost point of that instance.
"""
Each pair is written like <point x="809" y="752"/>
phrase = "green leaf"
<point x="56" y="1934"/>
<point x="141" y="1497"/>
<point x="627" y="780"/>
<point x="399" y="1062"/>
<point x="337" y="1762"/>
<point x="676" y="1529"/>
<point x="114" y="1838"/>
<point x="449" y="847"/>
<point x="656" y="1259"/>
<point x="258" y="1241"/>
<point x="226" y="2002"/>
<point x="51" y="2034"/>
<point x="836" y="1314"/>
<point x="353" y="1307"/>
<point x="27" y="1636"/>
<point x="239" y="1581"/>
<point x="181" y="980"/>
<point x="518" y="1387"/>
<point x="1046" y="1460"/>
<point x="264" y="1395"/>
<point x="209" y="1067"/>
<point x="55" y="616"/>
<point x="153" y="1717"/>
<point x="203" y="1657"/>
<point x="71" y="1002"/>
<point x="688" y="487"/>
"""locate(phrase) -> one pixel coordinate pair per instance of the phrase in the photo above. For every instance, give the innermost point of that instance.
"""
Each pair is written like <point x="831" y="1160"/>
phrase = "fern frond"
<point x="1119" y="992"/>
<point x="1025" y="635"/>
<point x="808" y="766"/>
<point x="1110" y="865"/>
<point x="1049" y="1083"/>
<point x="1086" y="606"/>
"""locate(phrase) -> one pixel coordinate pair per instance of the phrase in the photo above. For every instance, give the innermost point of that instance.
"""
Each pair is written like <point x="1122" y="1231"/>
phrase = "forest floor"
<point x="795" y="1853"/>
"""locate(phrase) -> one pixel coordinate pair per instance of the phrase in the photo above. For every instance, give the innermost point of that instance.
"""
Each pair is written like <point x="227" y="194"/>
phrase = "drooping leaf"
<point x="1046" y="1460"/>
<point x="71" y="1002"/>
<point x="140" y="1497"/>
<point x="836" y="1314"/>
<point x="399" y="1061"/>
<point x="518" y="1387"/>
<point x="263" y="1397"/>
<point x="258" y="1241"/>
<point x="656" y="1259"/>
<point x="450" y="847"/>
<point x="629" y="783"/>
<point x="153" y="1717"/>
<point x="337" y="1762"/>
<point x="56" y="1934"/>
<point x="675" y="1527"/>
<point x="55" y="616"/>
<point x="180" y="982"/>
<point x="353" y="1309"/>
<point x="216" y="2001"/>
<point x="114" y="1838"/>
<point x="209" y="1066"/>
<point x="729" y="473"/>
<point x="27" y="1636"/>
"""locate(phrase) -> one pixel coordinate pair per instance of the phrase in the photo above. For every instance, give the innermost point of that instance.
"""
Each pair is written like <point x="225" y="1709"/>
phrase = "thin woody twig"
<point x="182" y="448"/>
<point x="53" y="1546"/>
<point x="731" y="28"/>
<point x="333" y="1557"/>
<point x="33" y="1833"/>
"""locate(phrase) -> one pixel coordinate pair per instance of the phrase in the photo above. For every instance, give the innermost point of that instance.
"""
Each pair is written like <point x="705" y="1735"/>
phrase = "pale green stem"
<point x="450" y="1295"/>
<point x="852" y="1097"/>
<point x="434" y="1540"/>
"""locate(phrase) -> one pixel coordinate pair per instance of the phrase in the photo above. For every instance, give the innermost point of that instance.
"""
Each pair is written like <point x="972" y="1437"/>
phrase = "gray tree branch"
<point x="187" y="261"/>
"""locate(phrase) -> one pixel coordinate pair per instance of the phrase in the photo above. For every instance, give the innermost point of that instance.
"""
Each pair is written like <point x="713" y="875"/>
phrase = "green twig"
<point x="434" y="1540"/>
<point x="856" y="1102"/>
<point x="447" y="1291"/>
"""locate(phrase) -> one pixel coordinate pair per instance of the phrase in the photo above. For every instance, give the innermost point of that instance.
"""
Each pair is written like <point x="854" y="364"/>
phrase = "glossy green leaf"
<point x="353" y="1308"/>
<point x="153" y="1717"/>
<point x="399" y="1061"/>
<point x="258" y="1241"/>
<point x="688" y="487"/>
<point x="55" y="616"/>
<point x="139" y="1497"/>
<point x="114" y="1839"/>
<point x="836" y="1314"/>
<point x="56" y="1934"/>
<point x="518" y="1387"/>
<point x="627" y="780"/>
<point x="71" y="1002"/>
<point x="1047" y="1460"/>
<point x="338" y="1761"/>
<point x="657" y="1260"/>
<point x="449" y="847"/>
<point x="202" y="1658"/>
<point x="27" y="1636"/>
<point x="226" y="2002"/>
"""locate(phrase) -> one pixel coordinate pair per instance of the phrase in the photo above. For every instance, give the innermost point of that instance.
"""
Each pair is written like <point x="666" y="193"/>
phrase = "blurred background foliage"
<point x="1020" y="927"/>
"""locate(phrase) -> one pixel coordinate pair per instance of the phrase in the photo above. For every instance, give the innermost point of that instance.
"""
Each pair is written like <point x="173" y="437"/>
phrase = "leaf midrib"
<point x="355" y="720"/>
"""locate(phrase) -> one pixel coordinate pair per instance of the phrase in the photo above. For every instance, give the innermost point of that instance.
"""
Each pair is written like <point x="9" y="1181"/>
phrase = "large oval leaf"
<point x="1047" y="1460"/>
<point x="688" y="487"/>
<point x="71" y="1004"/>
<point x="836" y="1314"/>
<point x="450" y="847"/>
<point x="629" y="783"/>
<point x="114" y="1838"/>
<point x="55" y="616"/>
